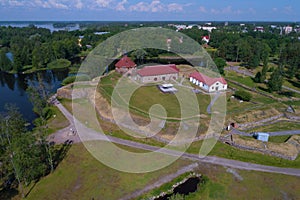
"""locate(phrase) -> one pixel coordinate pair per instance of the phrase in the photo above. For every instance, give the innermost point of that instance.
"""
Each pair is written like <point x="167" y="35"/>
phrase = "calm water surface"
<point x="13" y="88"/>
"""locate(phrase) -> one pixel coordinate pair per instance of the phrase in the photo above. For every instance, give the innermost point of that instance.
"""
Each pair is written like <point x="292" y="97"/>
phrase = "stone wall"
<point x="265" y="150"/>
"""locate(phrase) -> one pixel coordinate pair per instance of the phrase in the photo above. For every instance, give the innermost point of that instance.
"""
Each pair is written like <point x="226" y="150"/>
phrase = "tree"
<point x="258" y="77"/>
<point x="243" y="95"/>
<point x="265" y="54"/>
<point x="37" y="57"/>
<point x="220" y="63"/>
<point x="139" y="55"/>
<point x="19" y="150"/>
<point x="5" y="63"/>
<point x="39" y="96"/>
<point x="254" y="61"/>
<point x="275" y="81"/>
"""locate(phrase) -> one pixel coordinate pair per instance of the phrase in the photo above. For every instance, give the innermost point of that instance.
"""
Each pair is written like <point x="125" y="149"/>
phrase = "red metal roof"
<point x="158" y="70"/>
<point x="125" y="62"/>
<point x="207" y="80"/>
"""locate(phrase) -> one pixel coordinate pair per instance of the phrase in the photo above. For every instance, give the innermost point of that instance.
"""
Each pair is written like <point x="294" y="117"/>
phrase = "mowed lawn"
<point x="81" y="176"/>
<point x="145" y="97"/>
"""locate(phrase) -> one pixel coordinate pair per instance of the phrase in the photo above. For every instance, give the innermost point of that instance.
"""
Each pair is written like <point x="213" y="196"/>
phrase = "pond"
<point x="13" y="89"/>
<point x="189" y="186"/>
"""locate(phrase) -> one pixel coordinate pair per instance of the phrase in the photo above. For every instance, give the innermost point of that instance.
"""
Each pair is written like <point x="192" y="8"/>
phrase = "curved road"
<point x="94" y="135"/>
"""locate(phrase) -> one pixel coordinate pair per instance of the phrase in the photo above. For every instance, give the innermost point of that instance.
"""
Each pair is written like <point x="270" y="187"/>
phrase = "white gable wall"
<point x="217" y="86"/>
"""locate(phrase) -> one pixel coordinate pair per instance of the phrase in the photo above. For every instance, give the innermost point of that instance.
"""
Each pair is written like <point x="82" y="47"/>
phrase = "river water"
<point x="13" y="88"/>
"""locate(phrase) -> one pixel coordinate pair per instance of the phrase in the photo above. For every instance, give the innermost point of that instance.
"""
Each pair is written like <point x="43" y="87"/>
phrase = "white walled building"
<point x="208" y="84"/>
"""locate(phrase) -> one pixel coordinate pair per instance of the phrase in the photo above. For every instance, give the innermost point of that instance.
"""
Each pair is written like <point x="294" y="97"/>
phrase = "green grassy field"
<point x="220" y="149"/>
<point x="220" y="184"/>
<point x="227" y="151"/>
<point x="145" y="97"/>
<point x="253" y="185"/>
<point x="245" y="80"/>
<point x="58" y="121"/>
<point x="81" y="176"/>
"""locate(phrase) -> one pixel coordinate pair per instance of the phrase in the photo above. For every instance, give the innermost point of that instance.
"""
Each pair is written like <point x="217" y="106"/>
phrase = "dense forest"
<point x="34" y="47"/>
<point x="254" y="48"/>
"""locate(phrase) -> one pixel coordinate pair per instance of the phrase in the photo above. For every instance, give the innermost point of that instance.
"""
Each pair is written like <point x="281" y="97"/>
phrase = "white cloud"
<point x="156" y="6"/>
<point x="252" y="10"/>
<point x="103" y="3"/>
<point x="275" y="9"/>
<point x="35" y="3"/>
<point x="55" y="4"/>
<point x="120" y="6"/>
<point x="16" y="3"/>
<point x="175" y="7"/>
<point x="214" y="11"/>
<point x="226" y="10"/>
<point x="288" y="9"/>
<point x="203" y="9"/>
<point x="79" y="4"/>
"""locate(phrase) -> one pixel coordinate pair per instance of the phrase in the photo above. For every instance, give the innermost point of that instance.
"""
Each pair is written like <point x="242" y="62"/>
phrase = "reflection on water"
<point x="13" y="88"/>
<point x="189" y="186"/>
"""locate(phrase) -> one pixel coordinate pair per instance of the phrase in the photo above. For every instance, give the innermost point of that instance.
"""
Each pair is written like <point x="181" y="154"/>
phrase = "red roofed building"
<point x="124" y="64"/>
<point x="207" y="83"/>
<point x="206" y="39"/>
<point x="157" y="73"/>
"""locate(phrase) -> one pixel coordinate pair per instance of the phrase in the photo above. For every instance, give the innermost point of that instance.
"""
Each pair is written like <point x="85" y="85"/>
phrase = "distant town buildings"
<point x="288" y="29"/>
<point x="206" y="39"/>
<point x="101" y="33"/>
<point x="206" y="27"/>
<point x="259" y="29"/>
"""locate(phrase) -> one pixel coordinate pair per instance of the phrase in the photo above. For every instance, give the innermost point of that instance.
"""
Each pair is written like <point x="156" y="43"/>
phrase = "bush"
<point x="71" y="79"/>
<point x="243" y="95"/>
<point x="48" y="112"/>
<point x="68" y="80"/>
<point x="59" y="63"/>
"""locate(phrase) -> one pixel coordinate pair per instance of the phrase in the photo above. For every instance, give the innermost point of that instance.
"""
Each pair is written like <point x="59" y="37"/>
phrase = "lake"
<point x="13" y="88"/>
<point x="47" y="25"/>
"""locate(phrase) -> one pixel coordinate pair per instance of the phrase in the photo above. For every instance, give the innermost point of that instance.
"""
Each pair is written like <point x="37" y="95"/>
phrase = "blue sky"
<point x="150" y="10"/>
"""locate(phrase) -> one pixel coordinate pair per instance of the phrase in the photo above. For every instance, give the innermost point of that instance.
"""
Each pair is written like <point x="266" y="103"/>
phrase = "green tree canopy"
<point x="275" y="81"/>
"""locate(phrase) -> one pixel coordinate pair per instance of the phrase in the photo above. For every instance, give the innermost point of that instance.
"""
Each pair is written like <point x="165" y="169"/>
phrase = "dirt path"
<point x="90" y="135"/>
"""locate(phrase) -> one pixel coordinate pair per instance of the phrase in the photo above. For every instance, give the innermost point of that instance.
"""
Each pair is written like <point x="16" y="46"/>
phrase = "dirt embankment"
<point x="288" y="150"/>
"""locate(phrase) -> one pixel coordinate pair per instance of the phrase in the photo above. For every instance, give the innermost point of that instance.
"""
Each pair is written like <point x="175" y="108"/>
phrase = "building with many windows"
<point x="208" y="84"/>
